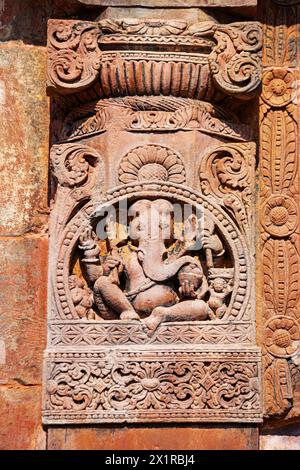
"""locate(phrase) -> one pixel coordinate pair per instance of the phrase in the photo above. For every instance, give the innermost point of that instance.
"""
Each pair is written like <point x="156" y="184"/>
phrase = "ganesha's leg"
<point x="114" y="298"/>
<point x="184" y="311"/>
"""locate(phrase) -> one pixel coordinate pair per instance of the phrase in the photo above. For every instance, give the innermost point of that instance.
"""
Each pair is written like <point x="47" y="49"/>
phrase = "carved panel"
<point x="152" y="386"/>
<point x="279" y="196"/>
<point x="151" y="275"/>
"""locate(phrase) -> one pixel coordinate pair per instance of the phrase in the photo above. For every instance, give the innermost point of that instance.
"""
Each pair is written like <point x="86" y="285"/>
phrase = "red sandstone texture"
<point x="24" y="116"/>
<point x="154" y="438"/>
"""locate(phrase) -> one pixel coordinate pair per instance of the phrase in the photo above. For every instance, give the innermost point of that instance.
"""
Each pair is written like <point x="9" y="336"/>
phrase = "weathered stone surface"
<point x="30" y="25"/>
<point x="23" y="280"/>
<point x="171" y="4"/>
<point x="24" y="115"/>
<point x="282" y="437"/>
<point x="154" y="438"/>
<point x="20" y="418"/>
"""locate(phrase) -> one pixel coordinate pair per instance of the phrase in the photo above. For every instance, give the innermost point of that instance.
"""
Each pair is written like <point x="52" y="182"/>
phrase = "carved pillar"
<point x="151" y="308"/>
<point x="279" y="201"/>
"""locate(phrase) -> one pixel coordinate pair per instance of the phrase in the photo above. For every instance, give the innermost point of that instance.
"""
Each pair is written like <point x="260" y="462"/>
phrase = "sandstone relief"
<point x="151" y="300"/>
<point x="279" y="196"/>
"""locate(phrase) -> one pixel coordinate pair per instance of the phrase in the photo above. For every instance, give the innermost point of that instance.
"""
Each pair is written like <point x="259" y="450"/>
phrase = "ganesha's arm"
<point x="218" y="247"/>
<point x="90" y="261"/>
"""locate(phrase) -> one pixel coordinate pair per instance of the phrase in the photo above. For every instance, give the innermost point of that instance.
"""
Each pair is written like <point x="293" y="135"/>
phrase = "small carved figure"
<point x="221" y="285"/>
<point x="82" y="298"/>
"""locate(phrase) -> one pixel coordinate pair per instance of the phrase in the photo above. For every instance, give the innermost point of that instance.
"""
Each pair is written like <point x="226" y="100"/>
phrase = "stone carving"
<point x="73" y="164"/>
<point x="87" y="120"/>
<point x="235" y="60"/>
<point x="280" y="216"/>
<point x="150" y="267"/>
<point x="81" y="298"/>
<point x="81" y="51"/>
<point x="150" y="114"/>
<point x="151" y="278"/>
<point x="228" y="174"/>
<point x="282" y="336"/>
<point x="279" y="196"/>
<point x="120" y="333"/>
<point x="221" y="285"/>
<point x="166" y="387"/>
<point x="277" y="87"/>
<point x="151" y="162"/>
<point x="73" y="54"/>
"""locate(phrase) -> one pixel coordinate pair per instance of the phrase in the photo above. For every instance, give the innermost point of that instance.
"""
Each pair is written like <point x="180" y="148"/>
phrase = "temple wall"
<point x="24" y="213"/>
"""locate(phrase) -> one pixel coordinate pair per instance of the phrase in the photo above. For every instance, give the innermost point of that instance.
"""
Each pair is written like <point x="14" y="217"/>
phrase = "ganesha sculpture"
<point x="149" y="269"/>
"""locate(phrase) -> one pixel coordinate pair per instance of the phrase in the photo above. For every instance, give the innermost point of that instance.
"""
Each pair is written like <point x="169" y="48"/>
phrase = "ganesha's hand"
<point x="212" y="242"/>
<point x="187" y="289"/>
<point x="109" y="263"/>
<point x="86" y="239"/>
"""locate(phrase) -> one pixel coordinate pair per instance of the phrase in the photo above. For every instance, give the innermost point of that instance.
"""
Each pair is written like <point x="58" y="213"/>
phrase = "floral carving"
<point x="149" y="27"/>
<point x="72" y="163"/>
<point x="235" y="61"/>
<point x="152" y="322"/>
<point x="151" y="162"/>
<point x="227" y="174"/>
<point x="280" y="197"/>
<point x="78" y="51"/>
<point x="74" y="56"/>
<point x="282" y="337"/>
<point x="277" y="87"/>
<point x="280" y="216"/>
<point x="100" y="388"/>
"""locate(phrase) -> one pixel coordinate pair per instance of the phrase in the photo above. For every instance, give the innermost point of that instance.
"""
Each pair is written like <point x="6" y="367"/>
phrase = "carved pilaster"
<point x="279" y="203"/>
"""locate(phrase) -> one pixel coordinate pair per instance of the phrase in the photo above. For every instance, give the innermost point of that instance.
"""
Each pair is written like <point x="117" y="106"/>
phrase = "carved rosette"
<point x="279" y="195"/>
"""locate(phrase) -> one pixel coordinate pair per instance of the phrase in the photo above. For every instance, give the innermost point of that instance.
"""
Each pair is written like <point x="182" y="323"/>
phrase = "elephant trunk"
<point x="158" y="270"/>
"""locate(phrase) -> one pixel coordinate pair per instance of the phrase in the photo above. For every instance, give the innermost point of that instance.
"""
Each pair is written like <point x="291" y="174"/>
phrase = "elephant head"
<point x="151" y="226"/>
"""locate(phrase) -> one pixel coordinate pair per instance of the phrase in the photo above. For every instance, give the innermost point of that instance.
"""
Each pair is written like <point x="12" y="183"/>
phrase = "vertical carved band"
<point x="279" y="195"/>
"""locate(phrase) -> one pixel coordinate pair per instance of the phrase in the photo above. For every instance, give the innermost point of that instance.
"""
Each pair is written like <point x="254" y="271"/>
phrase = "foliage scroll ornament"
<point x="80" y="51"/>
<point x="227" y="174"/>
<point x="165" y="388"/>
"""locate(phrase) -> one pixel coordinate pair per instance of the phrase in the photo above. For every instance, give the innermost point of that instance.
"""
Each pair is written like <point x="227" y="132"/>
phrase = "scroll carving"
<point x="227" y="173"/>
<point x="97" y="388"/>
<point x="79" y="52"/>
<point x="73" y="54"/>
<point x="235" y="61"/>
